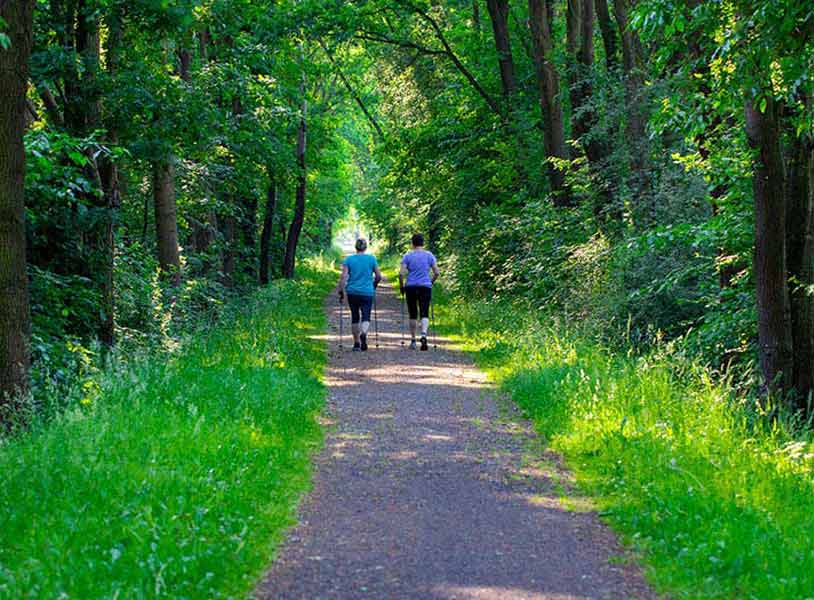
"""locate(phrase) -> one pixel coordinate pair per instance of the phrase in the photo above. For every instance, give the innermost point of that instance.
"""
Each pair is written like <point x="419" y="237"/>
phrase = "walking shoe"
<point x="413" y="346"/>
<point x="363" y="337"/>
<point x="356" y="347"/>
<point x="424" y="345"/>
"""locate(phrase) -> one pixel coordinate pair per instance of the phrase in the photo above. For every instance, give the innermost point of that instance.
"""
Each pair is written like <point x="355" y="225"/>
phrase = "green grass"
<point x="716" y="501"/>
<point x="179" y="476"/>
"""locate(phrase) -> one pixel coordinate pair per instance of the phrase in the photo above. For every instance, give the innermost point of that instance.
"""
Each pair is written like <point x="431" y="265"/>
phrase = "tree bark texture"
<point x="166" y="220"/>
<point x="609" y="39"/>
<point x="769" y="262"/>
<point x="14" y="307"/>
<point x="800" y="253"/>
<point x="549" y="90"/>
<point x="297" y="221"/>
<point x="499" y="15"/>
<point x="636" y="112"/>
<point x="268" y="231"/>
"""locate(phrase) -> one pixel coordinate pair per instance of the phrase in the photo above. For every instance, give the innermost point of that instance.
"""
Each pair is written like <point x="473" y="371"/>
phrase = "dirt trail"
<point x="428" y="487"/>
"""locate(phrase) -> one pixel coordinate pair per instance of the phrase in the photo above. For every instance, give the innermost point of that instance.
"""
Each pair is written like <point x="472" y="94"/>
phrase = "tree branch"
<point x="371" y="119"/>
<point x="456" y="61"/>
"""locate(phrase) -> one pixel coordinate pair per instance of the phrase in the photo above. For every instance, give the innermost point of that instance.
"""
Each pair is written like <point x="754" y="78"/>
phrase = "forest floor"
<point x="430" y="485"/>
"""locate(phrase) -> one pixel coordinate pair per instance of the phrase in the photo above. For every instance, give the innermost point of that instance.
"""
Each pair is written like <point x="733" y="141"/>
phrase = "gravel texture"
<point x="430" y="486"/>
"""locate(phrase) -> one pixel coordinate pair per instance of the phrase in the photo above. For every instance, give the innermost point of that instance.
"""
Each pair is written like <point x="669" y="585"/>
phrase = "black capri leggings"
<point x="359" y="304"/>
<point x="418" y="298"/>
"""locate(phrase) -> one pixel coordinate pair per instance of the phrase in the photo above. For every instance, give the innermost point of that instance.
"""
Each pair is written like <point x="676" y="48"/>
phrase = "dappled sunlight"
<point x="486" y="592"/>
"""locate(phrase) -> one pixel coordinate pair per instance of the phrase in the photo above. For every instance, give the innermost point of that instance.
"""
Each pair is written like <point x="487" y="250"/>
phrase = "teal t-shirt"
<point x="360" y="274"/>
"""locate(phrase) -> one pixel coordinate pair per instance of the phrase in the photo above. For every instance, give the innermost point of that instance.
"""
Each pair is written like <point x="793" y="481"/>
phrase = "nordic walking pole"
<point x="375" y="317"/>
<point x="341" y="321"/>
<point x="402" y="321"/>
<point x="434" y="333"/>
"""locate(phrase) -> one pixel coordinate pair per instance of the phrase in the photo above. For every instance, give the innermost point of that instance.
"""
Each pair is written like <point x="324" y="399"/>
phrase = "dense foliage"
<point x="175" y="471"/>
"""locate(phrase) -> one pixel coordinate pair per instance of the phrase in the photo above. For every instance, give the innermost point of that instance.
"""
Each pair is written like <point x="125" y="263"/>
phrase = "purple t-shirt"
<point x="418" y="263"/>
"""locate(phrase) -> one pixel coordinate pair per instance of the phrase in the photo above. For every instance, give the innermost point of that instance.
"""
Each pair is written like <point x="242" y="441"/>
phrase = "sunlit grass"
<point x="180" y="476"/>
<point x="717" y="501"/>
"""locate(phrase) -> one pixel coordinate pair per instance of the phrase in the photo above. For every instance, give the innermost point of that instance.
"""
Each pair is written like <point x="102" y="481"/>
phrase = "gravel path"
<point x="430" y="487"/>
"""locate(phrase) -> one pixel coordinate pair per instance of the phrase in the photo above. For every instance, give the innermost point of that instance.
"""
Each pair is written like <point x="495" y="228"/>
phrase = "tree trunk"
<point x="14" y="309"/>
<point x="608" y="33"/>
<point x="228" y="256"/>
<point x="476" y="15"/>
<point x="583" y="116"/>
<point x="166" y="220"/>
<point x="636" y="112"/>
<point x="774" y="322"/>
<point x="248" y="234"/>
<point x="499" y="14"/>
<point x="572" y="31"/>
<point x="549" y="89"/>
<point x="299" y="207"/>
<point x="800" y="253"/>
<point x="268" y="230"/>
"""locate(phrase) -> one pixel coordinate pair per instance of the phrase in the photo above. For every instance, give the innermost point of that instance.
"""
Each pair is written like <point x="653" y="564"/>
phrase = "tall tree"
<point x="774" y="324"/>
<point x="166" y="219"/>
<point x="800" y="252"/>
<point x="636" y="113"/>
<point x="268" y="228"/>
<point x="297" y="221"/>
<point x="14" y="309"/>
<point x="548" y="82"/>
<point x="609" y="39"/>
<point x="499" y="15"/>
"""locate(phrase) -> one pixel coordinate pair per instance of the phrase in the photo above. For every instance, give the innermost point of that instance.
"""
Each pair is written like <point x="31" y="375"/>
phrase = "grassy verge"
<point x="717" y="502"/>
<point x="178" y="478"/>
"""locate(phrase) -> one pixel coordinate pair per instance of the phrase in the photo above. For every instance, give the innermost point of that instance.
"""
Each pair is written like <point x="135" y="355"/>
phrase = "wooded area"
<point x="640" y="171"/>
<point x="646" y="166"/>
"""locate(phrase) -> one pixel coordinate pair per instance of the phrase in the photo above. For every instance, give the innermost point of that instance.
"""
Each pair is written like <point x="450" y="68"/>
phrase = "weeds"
<point x="717" y="499"/>
<point x="176" y="474"/>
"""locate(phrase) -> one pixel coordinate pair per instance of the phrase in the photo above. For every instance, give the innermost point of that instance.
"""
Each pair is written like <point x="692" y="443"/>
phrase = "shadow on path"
<point x="429" y="486"/>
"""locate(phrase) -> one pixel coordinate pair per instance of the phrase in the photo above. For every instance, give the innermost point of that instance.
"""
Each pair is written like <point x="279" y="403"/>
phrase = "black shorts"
<point x="358" y="304"/>
<point x="418" y="298"/>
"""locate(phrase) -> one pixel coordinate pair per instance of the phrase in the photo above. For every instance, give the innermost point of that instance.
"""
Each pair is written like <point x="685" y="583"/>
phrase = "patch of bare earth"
<point x="431" y="487"/>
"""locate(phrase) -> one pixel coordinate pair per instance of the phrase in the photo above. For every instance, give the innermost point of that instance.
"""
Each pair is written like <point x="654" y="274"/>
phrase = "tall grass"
<point x="178" y="474"/>
<point x="717" y="500"/>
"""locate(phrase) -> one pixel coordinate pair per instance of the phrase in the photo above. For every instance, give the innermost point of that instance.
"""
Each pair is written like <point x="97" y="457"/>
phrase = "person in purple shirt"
<point x="419" y="270"/>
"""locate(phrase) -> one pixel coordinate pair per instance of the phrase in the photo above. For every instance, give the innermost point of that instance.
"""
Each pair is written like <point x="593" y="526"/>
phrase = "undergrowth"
<point x="714" y="496"/>
<point x="178" y="471"/>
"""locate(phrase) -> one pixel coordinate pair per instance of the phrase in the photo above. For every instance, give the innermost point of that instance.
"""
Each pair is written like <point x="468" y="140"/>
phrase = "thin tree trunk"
<point x="248" y="234"/>
<point x="572" y="31"/>
<point x="774" y="326"/>
<point x="636" y="112"/>
<point x="476" y="16"/>
<point x="549" y="89"/>
<point x="14" y="308"/>
<point x="499" y="15"/>
<point x="166" y="220"/>
<point x="583" y="116"/>
<point x="800" y="252"/>
<point x="228" y="257"/>
<point x="268" y="230"/>
<point x="609" y="40"/>
<point x="294" y="230"/>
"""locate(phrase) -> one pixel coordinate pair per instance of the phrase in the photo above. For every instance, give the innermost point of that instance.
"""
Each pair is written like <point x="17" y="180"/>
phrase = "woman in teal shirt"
<point x="360" y="276"/>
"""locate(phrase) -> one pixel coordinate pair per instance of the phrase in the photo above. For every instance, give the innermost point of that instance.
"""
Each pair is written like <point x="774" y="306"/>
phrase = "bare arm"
<point x="377" y="277"/>
<point x="343" y="281"/>
<point x="436" y="273"/>
<point x="402" y="274"/>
